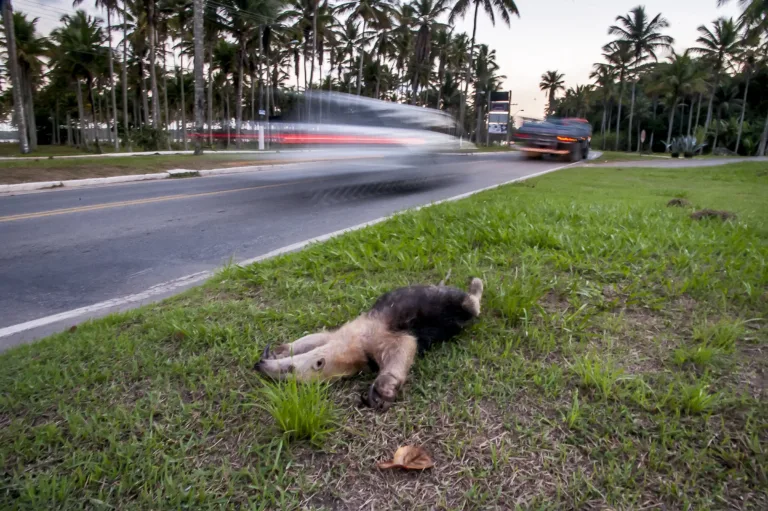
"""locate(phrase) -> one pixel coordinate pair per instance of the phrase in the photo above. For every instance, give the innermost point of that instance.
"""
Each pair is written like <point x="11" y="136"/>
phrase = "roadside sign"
<point x="262" y="112"/>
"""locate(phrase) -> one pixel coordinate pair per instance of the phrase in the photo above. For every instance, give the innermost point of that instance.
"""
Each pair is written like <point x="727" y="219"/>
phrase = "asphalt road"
<point x="67" y="249"/>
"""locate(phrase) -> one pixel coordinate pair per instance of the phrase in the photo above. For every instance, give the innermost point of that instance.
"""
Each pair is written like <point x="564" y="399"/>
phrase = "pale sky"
<point x="563" y="35"/>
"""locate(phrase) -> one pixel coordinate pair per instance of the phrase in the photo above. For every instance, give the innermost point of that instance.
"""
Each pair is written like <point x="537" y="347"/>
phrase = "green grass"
<point x="302" y="412"/>
<point x="567" y="393"/>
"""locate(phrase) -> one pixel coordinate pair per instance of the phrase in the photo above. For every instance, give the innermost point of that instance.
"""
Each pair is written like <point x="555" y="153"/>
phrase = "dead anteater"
<point x="681" y="203"/>
<point x="712" y="213"/>
<point x="401" y="324"/>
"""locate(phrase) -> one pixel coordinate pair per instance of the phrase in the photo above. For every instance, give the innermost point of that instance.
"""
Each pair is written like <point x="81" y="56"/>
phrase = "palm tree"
<point x="374" y="13"/>
<point x="619" y="55"/>
<point x="443" y="41"/>
<point x="727" y="97"/>
<point x="13" y="68"/>
<point x="754" y="14"/>
<point x="199" y="37"/>
<point x="77" y="53"/>
<point x="487" y="81"/>
<point x="748" y="60"/>
<point x="551" y="83"/>
<point x="179" y="28"/>
<point x="30" y="49"/>
<point x="425" y="15"/>
<point x="717" y="48"/>
<point x="603" y="76"/>
<point x="212" y="27"/>
<point x="125" y="76"/>
<point x="646" y="39"/>
<point x="242" y="14"/>
<point x="678" y="78"/>
<point x="110" y="6"/>
<point x="505" y="8"/>
<point x="150" y="6"/>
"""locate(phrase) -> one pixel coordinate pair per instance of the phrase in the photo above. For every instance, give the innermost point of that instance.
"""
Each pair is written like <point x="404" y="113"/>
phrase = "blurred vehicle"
<point x="331" y="119"/>
<point x="567" y="137"/>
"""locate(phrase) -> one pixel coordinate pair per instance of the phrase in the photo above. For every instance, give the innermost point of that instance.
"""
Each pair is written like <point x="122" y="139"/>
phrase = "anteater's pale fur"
<point x="401" y="324"/>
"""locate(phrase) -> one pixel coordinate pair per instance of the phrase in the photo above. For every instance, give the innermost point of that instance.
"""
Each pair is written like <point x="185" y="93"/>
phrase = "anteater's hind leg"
<point x="300" y="346"/>
<point x="394" y="355"/>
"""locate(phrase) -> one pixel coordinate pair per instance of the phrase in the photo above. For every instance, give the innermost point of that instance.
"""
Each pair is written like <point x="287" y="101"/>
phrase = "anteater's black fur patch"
<point x="432" y="314"/>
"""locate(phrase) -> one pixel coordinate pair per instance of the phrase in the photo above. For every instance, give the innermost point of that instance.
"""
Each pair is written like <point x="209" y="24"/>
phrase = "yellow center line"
<point x="95" y="207"/>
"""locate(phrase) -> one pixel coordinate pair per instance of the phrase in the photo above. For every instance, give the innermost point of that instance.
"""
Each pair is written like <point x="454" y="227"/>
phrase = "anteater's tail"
<point x="472" y="302"/>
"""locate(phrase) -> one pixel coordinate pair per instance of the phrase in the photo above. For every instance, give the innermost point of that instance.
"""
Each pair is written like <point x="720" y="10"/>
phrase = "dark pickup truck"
<point x="568" y="138"/>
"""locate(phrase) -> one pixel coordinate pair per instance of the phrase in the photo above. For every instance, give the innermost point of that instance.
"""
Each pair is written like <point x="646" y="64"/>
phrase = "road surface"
<point x="68" y="249"/>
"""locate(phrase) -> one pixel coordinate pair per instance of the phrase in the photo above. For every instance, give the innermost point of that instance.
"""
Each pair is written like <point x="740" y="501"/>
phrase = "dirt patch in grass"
<point x="38" y="169"/>
<point x="711" y="213"/>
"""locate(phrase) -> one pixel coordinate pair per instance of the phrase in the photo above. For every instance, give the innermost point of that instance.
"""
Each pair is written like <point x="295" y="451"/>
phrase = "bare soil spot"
<point x="711" y="213"/>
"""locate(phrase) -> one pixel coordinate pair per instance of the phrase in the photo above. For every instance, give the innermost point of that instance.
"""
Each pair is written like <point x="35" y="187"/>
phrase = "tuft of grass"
<point x="696" y="399"/>
<point x="573" y="416"/>
<point x="598" y="374"/>
<point x="302" y="411"/>
<point x="701" y="355"/>
<point x="722" y="335"/>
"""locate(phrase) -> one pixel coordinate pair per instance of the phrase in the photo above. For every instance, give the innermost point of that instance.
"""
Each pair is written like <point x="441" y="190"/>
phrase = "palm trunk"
<point x="763" y="138"/>
<point x="618" y="116"/>
<point x="226" y="111"/>
<point x="239" y="100"/>
<point x="253" y="96"/>
<point x="145" y="102"/>
<point x="362" y="58"/>
<point x="717" y="131"/>
<point x="478" y="117"/>
<point x="690" y="117"/>
<point x="608" y="125"/>
<point x="698" y="111"/>
<point x="602" y="123"/>
<point x="210" y="94"/>
<point x="199" y="84"/>
<point x="468" y="77"/>
<point x="125" y="85"/>
<point x="440" y="78"/>
<point x="112" y="78"/>
<point x="183" y="104"/>
<point x="69" y="130"/>
<point x="13" y="68"/>
<point x="631" y="114"/>
<point x="57" y="134"/>
<point x="89" y="82"/>
<point x="81" y="114"/>
<point x="653" y="132"/>
<point x="260" y="72"/>
<point x="314" y="45"/>
<point x="29" y="109"/>
<point x="152" y="66"/>
<point x="711" y="102"/>
<point x="671" y="121"/>
<point x="743" y="111"/>
<point x="165" y="102"/>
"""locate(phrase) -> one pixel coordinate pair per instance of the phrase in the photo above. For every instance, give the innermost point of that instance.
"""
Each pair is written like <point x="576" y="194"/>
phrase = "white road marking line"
<point x="188" y="280"/>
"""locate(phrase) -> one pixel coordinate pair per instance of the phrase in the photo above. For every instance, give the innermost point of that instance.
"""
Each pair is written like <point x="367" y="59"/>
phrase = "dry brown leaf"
<point x="409" y="457"/>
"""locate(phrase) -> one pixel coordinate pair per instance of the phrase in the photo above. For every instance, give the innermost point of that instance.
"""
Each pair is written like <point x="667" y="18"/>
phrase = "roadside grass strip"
<point x="621" y="361"/>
